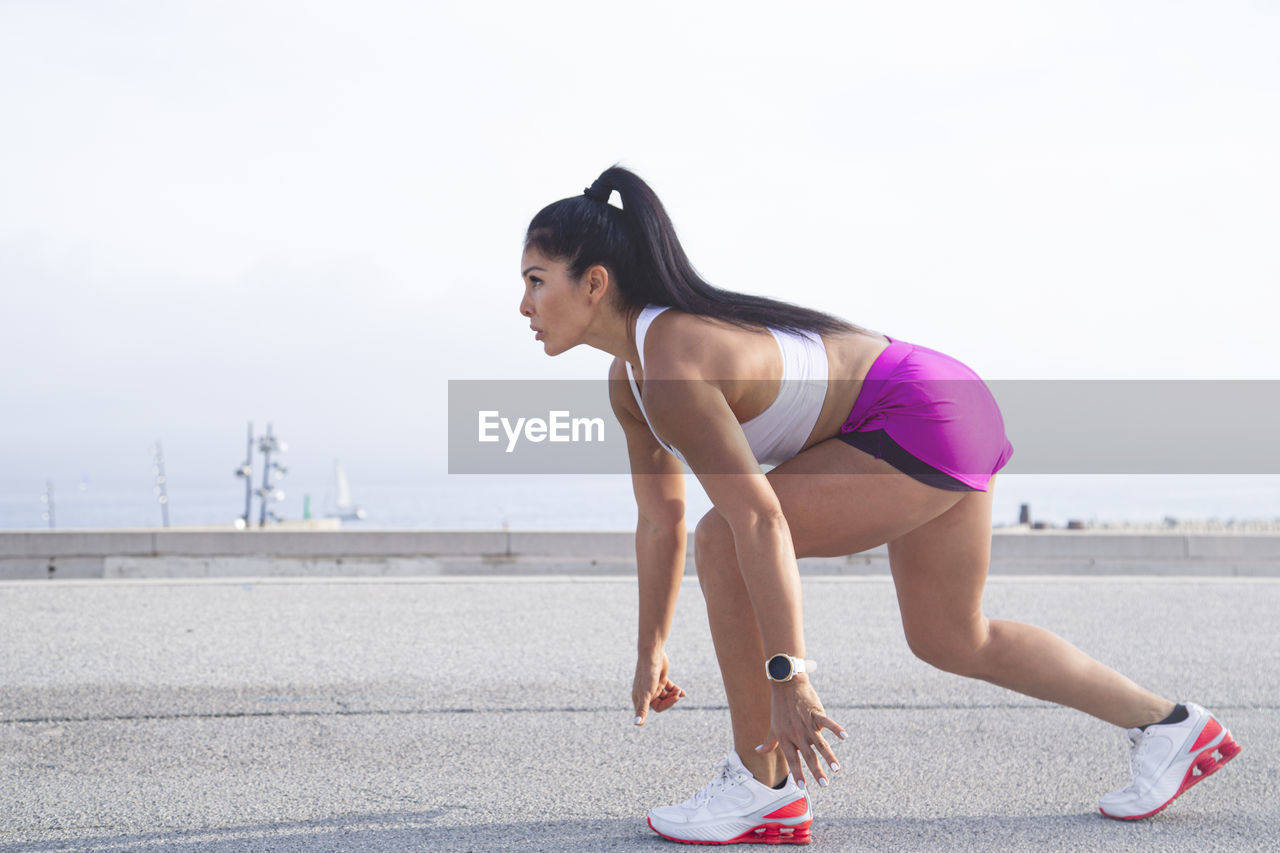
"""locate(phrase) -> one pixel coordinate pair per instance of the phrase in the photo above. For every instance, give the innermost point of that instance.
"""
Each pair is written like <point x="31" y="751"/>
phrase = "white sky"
<point x="311" y="212"/>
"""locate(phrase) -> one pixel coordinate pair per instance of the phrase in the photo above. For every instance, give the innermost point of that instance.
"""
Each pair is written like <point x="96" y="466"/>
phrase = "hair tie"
<point x="598" y="191"/>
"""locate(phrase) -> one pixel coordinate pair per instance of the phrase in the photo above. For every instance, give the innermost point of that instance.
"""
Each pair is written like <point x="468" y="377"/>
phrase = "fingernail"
<point x="844" y="736"/>
<point x="835" y="767"/>
<point x="637" y="721"/>
<point x="822" y="783"/>
<point x="760" y="747"/>
<point x="801" y="783"/>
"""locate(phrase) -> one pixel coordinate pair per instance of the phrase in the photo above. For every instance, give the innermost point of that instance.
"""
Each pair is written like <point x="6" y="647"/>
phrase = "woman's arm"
<point x="694" y="416"/>
<point x="691" y="413"/>
<point x="660" y="554"/>
<point x="660" y="550"/>
<point x="657" y="479"/>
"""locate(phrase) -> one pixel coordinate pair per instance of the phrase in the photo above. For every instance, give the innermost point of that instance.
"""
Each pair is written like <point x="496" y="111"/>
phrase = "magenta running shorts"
<point x="936" y="409"/>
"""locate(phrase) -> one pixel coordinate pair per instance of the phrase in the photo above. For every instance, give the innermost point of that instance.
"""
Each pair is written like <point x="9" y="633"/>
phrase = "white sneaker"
<point x="735" y="808"/>
<point x="1167" y="760"/>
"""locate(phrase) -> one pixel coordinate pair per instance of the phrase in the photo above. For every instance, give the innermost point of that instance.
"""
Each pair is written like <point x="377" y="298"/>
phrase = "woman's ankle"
<point x="767" y="768"/>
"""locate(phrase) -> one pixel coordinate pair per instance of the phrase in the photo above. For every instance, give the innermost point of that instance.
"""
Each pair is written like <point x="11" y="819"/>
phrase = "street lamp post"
<point x="246" y="472"/>
<point x="269" y="493"/>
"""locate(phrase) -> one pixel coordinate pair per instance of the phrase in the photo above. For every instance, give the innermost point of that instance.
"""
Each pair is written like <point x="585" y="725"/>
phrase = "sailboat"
<point x="345" y="508"/>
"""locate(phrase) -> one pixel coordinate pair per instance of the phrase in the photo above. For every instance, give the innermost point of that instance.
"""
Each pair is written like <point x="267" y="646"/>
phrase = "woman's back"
<point x="748" y="365"/>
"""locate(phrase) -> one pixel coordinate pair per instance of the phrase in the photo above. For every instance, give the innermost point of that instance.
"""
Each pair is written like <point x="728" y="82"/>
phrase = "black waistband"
<point x="878" y="443"/>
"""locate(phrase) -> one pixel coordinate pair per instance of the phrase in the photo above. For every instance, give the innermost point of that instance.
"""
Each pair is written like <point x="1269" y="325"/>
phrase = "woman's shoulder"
<point x="681" y="344"/>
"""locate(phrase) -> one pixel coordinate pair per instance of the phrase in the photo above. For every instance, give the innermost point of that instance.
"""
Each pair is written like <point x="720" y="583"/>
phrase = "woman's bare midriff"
<point x="849" y="359"/>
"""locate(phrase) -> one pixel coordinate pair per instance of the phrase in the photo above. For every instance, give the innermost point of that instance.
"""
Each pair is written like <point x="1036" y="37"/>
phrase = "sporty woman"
<point x="874" y="440"/>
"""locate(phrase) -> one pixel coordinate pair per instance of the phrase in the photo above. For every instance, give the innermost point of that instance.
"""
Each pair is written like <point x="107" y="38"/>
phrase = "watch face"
<point x="779" y="667"/>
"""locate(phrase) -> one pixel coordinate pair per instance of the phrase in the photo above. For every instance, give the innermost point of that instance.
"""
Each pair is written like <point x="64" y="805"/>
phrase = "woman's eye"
<point x="534" y="282"/>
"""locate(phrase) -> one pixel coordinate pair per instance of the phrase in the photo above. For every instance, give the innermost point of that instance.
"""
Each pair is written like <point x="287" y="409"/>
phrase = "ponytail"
<point x="639" y="247"/>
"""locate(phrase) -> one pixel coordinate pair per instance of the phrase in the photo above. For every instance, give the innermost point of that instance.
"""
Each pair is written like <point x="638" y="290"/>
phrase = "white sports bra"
<point x="779" y="432"/>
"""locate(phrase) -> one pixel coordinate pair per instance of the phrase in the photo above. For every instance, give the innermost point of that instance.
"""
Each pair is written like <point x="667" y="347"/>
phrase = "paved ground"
<point x="490" y="714"/>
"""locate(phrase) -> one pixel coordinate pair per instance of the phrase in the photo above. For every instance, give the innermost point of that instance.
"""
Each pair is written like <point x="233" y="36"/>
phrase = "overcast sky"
<point x="311" y="212"/>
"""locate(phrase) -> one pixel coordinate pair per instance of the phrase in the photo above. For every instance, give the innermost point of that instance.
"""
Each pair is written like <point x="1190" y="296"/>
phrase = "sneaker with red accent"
<point x="734" y="808"/>
<point x="1166" y="760"/>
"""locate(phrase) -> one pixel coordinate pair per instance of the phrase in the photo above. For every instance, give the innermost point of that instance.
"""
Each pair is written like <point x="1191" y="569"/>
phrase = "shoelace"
<point x="726" y="777"/>
<point x="1137" y="746"/>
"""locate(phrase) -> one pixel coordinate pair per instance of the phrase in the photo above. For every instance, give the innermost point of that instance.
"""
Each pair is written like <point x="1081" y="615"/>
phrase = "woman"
<point x="726" y="382"/>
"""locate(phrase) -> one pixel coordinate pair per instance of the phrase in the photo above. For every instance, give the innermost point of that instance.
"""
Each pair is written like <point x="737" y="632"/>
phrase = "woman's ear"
<point x="598" y="282"/>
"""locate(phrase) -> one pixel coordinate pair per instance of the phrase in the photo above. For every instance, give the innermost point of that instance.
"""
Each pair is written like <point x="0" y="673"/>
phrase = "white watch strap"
<point x="798" y="665"/>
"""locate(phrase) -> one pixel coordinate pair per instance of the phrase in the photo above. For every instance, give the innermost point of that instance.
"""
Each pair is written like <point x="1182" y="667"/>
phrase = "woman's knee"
<point x="956" y="649"/>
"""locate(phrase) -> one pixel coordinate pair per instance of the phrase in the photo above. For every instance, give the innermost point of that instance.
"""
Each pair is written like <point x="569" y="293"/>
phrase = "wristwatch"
<point x="785" y="667"/>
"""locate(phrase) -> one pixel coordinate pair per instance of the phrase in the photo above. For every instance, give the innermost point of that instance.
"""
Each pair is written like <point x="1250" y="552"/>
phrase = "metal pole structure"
<point x="246" y="471"/>
<point x="161" y="488"/>
<point x="267" y="493"/>
<point x="277" y="471"/>
<point x="47" y="499"/>
<point x="268" y="443"/>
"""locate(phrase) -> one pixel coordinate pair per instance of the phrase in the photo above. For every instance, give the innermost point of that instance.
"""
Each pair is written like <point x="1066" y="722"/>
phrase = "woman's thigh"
<point x="939" y="572"/>
<point x="840" y="500"/>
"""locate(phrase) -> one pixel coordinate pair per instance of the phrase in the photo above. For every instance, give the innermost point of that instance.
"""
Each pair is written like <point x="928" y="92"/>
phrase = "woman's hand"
<point x="797" y="724"/>
<point x="652" y="688"/>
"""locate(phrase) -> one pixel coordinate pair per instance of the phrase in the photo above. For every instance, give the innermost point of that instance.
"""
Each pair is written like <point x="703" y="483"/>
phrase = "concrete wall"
<point x="217" y="552"/>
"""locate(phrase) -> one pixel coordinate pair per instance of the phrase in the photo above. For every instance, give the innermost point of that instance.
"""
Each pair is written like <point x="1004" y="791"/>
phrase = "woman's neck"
<point x="614" y="332"/>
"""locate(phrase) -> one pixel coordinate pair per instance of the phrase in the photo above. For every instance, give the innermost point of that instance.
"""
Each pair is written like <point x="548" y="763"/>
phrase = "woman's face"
<point x="557" y="307"/>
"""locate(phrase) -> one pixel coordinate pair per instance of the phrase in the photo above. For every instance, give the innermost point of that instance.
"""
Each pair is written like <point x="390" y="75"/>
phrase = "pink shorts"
<point x="937" y="410"/>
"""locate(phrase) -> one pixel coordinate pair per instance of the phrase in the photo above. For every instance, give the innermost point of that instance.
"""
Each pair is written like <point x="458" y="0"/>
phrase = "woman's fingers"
<point x="795" y="763"/>
<point x="809" y="748"/>
<point x="810" y="755"/>
<point x="652" y="689"/>
<point x="824" y="748"/>
<point x="668" y="696"/>
<point x="657" y="699"/>
<point x="800" y="752"/>
<point x="663" y="701"/>
<point x="825" y="722"/>
<point x="641" y="708"/>
<point x="797" y="753"/>
<point x="642" y="699"/>
<point x="818" y="746"/>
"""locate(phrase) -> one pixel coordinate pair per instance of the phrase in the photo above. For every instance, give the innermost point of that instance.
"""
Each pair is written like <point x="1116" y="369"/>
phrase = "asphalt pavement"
<point x="493" y="714"/>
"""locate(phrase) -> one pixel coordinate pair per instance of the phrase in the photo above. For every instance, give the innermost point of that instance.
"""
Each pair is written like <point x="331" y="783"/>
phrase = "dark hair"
<point x="639" y="247"/>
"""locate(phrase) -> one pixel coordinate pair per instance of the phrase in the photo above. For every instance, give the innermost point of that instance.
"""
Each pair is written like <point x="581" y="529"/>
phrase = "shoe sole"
<point x="766" y="833"/>
<point x="1205" y="764"/>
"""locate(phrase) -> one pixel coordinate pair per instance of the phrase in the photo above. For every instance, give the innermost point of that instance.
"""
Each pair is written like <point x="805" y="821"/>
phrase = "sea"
<point x="605" y="502"/>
